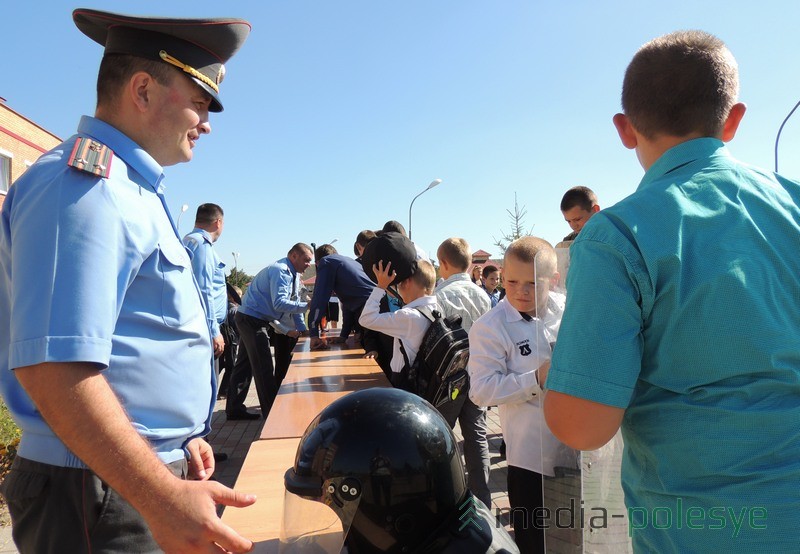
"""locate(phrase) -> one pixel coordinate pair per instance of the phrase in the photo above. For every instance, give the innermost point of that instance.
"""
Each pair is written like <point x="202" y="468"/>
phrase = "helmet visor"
<point x="316" y="524"/>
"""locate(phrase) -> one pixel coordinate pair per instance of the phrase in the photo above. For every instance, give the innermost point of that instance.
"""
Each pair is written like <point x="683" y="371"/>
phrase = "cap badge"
<point x="190" y="70"/>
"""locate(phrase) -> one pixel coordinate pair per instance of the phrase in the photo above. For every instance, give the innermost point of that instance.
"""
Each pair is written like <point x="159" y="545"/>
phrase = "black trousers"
<point x="254" y="363"/>
<point x="525" y="495"/>
<point x="59" y="509"/>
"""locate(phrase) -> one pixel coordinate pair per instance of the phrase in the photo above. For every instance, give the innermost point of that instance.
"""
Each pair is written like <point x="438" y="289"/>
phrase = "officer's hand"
<point x="294" y="334"/>
<point x="219" y="346"/>
<point x="201" y="459"/>
<point x="185" y="519"/>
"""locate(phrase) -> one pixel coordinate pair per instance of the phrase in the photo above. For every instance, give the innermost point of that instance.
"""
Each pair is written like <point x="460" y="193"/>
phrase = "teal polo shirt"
<point x="683" y="307"/>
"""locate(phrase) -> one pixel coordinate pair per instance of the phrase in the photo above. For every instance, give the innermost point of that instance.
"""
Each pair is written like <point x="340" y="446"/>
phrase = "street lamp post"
<point x="180" y="215"/>
<point x="433" y="184"/>
<point x="235" y="260"/>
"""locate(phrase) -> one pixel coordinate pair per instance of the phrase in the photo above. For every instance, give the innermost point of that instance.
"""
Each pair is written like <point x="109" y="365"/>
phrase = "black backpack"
<point x="439" y="373"/>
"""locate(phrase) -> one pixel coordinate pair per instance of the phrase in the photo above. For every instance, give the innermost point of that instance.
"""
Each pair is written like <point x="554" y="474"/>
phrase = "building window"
<point x="5" y="170"/>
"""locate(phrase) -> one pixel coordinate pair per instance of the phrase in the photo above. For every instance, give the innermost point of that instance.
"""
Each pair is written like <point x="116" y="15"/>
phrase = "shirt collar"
<point x="288" y="263"/>
<point x="683" y="154"/>
<point x="512" y="314"/>
<point x="422" y="301"/>
<point x="453" y="279"/>
<point x="203" y="233"/>
<point x="125" y="149"/>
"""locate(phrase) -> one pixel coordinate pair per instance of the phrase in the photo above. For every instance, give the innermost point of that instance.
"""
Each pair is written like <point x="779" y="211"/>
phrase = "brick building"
<point x="21" y="143"/>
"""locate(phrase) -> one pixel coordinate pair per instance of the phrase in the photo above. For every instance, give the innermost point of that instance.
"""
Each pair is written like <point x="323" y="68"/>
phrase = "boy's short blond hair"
<point x="535" y="250"/>
<point x="456" y="252"/>
<point x="679" y="84"/>
<point x="424" y="276"/>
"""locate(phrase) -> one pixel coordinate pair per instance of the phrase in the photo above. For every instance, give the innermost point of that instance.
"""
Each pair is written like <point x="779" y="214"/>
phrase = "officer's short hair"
<point x="456" y="252"/>
<point x="117" y="69"/>
<point x="299" y="248"/>
<point x="208" y="213"/>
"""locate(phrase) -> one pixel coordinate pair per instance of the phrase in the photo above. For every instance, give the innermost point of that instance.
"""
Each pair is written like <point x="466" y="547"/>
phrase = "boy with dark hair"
<point x="578" y="205"/>
<point x="491" y="279"/>
<point x="692" y="349"/>
<point x="362" y="240"/>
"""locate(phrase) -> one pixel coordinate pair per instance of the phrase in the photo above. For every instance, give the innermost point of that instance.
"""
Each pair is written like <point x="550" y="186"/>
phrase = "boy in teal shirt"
<point x="682" y="321"/>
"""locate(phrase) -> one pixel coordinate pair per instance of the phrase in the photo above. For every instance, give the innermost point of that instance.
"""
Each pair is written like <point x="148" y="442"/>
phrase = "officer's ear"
<point x="141" y="90"/>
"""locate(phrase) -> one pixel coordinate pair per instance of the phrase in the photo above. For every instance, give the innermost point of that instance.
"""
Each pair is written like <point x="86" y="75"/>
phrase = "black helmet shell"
<point x="399" y="454"/>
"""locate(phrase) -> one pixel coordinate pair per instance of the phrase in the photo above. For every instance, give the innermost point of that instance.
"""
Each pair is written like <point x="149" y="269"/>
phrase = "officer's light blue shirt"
<point x="210" y="274"/>
<point x="93" y="271"/>
<point x="683" y="307"/>
<point x="275" y="294"/>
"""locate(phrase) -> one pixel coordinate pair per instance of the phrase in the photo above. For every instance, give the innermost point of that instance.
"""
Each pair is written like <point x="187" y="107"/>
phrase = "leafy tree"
<point x="239" y="278"/>
<point x="517" y="228"/>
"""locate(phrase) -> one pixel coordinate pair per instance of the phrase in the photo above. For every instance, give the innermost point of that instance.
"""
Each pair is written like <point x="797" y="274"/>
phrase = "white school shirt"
<point x="505" y="352"/>
<point x="459" y="296"/>
<point x="406" y="324"/>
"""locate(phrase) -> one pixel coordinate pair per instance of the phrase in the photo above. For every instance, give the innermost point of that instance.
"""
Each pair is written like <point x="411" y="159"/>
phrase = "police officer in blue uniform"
<point x="209" y="271"/>
<point x="271" y="316"/>
<point x="103" y="335"/>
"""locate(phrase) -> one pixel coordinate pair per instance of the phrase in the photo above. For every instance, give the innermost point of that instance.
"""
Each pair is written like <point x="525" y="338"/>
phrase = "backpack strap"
<point x="429" y="315"/>
<point x="405" y="356"/>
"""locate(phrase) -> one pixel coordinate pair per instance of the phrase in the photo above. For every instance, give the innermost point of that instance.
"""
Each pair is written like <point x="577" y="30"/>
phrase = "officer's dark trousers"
<point x="254" y="362"/>
<point x="59" y="509"/>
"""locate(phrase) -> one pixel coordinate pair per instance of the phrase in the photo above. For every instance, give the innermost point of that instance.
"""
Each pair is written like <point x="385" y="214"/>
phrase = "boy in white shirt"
<point x="406" y="324"/>
<point x="510" y="350"/>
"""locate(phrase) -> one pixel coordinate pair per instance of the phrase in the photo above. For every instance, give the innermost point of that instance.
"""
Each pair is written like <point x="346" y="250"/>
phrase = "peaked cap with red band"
<point x="199" y="47"/>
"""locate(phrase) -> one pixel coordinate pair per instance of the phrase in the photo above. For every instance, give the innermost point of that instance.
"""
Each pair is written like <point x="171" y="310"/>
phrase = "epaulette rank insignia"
<point x="91" y="156"/>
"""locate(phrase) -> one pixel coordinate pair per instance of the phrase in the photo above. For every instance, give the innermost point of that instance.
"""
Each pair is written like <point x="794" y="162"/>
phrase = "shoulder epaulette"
<point x="91" y="156"/>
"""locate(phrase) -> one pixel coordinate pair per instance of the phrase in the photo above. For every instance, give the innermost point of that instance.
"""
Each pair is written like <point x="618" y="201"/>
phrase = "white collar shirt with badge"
<point x="406" y="324"/>
<point x="93" y="271"/>
<point x="506" y="351"/>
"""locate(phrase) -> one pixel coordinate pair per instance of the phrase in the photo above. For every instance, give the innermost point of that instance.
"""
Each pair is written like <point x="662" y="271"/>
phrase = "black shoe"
<point x="503" y="450"/>
<point x="220" y="457"/>
<point x="242" y="415"/>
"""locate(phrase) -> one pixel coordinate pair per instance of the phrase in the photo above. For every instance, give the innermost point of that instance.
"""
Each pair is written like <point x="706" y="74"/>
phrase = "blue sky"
<point x="338" y="113"/>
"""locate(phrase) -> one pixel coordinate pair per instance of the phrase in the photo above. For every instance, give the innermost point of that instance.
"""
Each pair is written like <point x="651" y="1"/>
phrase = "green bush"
<point x="9" y="432"/>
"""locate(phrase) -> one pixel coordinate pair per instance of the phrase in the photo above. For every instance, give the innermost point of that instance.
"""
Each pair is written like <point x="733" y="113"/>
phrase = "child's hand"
<point x="541" y="374"/>
<point x="384" y="275"/>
